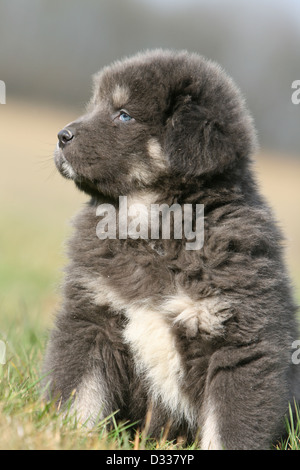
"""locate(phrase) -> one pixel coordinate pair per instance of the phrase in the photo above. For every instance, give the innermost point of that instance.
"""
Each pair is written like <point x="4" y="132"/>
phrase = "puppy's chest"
<point x="135" y="269"/>
<point x="145" y="286"/>
<point x="134" y="277"/>
<point x="143" y="279"/>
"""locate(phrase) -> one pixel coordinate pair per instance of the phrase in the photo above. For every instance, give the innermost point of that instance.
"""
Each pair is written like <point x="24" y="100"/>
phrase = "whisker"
<point x="45" y="159"/>
<point x="51" y="175"/>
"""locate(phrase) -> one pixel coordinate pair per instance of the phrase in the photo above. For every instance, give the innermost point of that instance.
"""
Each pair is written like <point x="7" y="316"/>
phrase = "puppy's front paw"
<point x="189" y="319"/>
<point x="206" y="315"/>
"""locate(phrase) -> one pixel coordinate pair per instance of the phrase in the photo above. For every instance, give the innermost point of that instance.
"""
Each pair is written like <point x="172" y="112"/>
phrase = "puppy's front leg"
<point x="87" y="360"/>
<point x="245" y="400"/>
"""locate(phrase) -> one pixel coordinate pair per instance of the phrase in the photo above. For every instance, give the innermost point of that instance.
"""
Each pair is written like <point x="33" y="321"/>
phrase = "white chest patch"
<point x="157" y="358"/>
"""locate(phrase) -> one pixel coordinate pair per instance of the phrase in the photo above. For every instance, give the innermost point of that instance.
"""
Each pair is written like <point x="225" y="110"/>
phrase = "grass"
<point x="28" y="422"/>
<point x="35" y="205"/>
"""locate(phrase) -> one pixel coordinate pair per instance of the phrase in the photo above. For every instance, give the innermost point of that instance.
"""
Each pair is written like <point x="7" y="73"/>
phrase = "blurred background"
<point x="48" y="53"/>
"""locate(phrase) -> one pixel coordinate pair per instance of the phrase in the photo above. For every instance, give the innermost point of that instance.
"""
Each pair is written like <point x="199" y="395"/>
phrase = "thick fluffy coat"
<point x="202" y="337"/>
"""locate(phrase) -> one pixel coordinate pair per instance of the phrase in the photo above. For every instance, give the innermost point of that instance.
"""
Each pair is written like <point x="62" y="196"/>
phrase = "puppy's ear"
<point x="201" y="141"/>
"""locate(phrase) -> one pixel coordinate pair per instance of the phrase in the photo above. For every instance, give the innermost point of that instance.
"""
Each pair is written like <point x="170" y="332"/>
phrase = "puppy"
<point x="203" y="336"/>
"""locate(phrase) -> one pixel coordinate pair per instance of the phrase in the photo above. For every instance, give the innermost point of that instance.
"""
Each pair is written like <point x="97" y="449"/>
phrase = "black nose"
<point x="64" y="136"/>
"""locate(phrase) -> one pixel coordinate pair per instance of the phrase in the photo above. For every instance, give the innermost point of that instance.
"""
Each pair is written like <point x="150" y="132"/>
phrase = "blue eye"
<point x="124" y="117"/>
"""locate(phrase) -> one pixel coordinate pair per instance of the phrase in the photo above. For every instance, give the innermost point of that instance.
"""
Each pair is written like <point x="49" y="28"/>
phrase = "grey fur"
<point x="235" y="374"/>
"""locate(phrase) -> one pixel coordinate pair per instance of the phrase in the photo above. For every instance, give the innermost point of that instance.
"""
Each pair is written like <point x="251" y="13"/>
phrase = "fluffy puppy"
<point x="202" y="337"/>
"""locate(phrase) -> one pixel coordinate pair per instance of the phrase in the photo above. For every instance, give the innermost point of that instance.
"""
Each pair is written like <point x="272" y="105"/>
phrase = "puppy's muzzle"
<point x="65" y="136"/>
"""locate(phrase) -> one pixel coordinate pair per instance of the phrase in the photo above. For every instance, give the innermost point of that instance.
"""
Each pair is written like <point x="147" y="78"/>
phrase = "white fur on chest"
<point x="157" y="359"/>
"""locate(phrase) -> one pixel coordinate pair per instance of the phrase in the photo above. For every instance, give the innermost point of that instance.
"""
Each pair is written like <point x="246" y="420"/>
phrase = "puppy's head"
<point x="156" y="115"/>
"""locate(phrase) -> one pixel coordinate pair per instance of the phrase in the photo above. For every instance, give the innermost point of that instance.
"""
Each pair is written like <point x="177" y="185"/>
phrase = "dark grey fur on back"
<point x="204" y="337"/>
